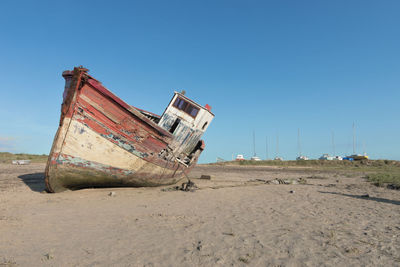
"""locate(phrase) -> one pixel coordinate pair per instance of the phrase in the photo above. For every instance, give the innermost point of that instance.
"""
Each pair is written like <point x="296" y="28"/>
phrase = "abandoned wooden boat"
<point x="103" y="142"/>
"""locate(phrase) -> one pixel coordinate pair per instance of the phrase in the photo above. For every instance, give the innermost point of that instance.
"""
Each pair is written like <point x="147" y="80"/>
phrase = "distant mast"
<point x="277" y="145"/>
<point x="254" y="144"/>
<point x="266" y="147"/>
<point x="354" y="139"/>
<point x="333" y="143"/>
<point x="364" y="153"/>
<point x="298" y="142"/>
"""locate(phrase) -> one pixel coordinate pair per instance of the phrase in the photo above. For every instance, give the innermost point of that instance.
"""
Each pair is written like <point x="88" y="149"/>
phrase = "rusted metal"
<point x="102" y="141"/>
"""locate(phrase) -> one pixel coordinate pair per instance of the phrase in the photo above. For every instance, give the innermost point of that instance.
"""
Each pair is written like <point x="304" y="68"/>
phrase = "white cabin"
<point x="187" y="121"/>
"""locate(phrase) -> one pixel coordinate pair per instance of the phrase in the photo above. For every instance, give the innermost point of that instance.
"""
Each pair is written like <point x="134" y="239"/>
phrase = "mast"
<point x="364" y="153"/>
<point x="266" y="147"/>
<point x="354" y="139"/>
<point x="333" y="143"/>
<point x="277" y="145"/>
<point x="254" y="143"/>
<point x="298" y="142"/>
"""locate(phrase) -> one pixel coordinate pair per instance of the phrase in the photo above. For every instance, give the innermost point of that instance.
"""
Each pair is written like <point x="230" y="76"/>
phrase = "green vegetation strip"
<point x="317" y="163"/>
<point x="6" y="157"/>
<point x="385" y="178"/>
<point x="378" y="172"/>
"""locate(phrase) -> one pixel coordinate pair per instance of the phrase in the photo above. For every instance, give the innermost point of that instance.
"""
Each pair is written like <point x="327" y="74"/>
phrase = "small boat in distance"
<point x="325" y="157"/>
<point x="240" y="157"/>
<point x="337" y="158"/>
<point x="358" y="157"/>
<point x="302" y="158"/>
<point x="254" y="157"/>
<point x="104" y="142"/>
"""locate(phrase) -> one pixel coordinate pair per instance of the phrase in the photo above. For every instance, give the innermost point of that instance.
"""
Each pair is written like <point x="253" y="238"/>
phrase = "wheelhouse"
<point x="187" y="121"/>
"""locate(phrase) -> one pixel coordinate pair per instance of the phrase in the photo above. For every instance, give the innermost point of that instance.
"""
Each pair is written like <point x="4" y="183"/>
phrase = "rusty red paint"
<point x="147" y="122"/>
<point x="112" y="110"/>
<point x="129" y="130"/>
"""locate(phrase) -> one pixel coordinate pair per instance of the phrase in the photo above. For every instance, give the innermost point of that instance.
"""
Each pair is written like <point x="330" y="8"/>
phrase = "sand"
<point x="234" y="219"/>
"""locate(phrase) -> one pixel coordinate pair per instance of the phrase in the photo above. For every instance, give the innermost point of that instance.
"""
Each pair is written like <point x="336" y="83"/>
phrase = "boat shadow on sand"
<point x="35" y="181"/>
<point x="366" y="197"/>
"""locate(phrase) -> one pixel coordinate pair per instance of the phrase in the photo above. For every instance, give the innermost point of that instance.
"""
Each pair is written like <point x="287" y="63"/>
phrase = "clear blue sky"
<point x="265" y="66"/>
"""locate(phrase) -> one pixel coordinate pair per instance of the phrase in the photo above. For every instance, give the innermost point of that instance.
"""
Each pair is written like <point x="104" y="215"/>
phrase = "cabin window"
<point x="204" y="126"/>
<point x="180" y="103"/>
<point x="186" y="107"/>
<point x="193" y="111"/>
<point x="175" y="125"/>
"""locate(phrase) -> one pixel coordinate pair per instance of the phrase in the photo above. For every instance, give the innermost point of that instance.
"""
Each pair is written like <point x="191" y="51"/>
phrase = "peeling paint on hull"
<point x="103" y="142"/>
<point x="75" y="173"/>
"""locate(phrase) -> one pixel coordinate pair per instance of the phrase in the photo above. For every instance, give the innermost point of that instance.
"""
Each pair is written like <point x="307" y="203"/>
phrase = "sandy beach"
<point x="238" y="218"/>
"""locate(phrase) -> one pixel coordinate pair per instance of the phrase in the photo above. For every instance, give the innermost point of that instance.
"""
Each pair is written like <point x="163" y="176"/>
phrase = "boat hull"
<point x="103" y="142"/>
